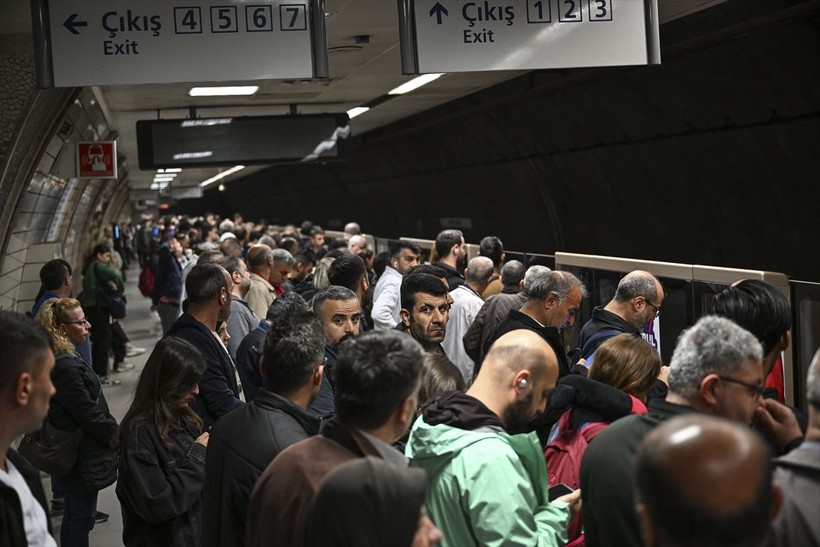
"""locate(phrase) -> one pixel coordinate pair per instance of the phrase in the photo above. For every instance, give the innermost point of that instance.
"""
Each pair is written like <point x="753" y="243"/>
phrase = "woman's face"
<point x="427" y="535"/>
<point x="104" y="257"/>
<point x="189" y="397"/>
<point x="75" y="327"/>
<point x="223" y="334"/>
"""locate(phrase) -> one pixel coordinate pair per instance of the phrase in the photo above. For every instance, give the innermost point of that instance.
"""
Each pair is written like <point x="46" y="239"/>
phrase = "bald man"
<point x="487" y="485"/>
<point x="637" y="301"/>
<point x="704" y="481"/>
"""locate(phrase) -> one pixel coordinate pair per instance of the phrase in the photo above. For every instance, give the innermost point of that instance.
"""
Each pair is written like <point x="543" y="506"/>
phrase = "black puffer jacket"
<point x="79" y="402"/>
<point x="241" y="446"/>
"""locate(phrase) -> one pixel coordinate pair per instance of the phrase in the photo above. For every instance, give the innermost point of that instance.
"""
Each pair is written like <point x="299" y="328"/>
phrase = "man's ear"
<point x="407" y="410"/>
<point x="363" y="283"/>
<point x="405" y="317"/>
<point x="647" y="528"/>
<point x="317" y="375"/>
<point x="22" y="390"/>
<point x="708" y="389"/>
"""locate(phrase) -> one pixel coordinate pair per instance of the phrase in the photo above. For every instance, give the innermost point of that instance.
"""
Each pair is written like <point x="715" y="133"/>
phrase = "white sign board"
<point x="108" y="42"/>
<point x="468" y="35"/>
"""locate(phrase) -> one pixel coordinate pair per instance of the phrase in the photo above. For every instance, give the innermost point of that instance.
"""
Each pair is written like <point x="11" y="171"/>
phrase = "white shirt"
<point x="466" y="304"/>
<point x="34" y="516"/>
<point x="387" y="300"/>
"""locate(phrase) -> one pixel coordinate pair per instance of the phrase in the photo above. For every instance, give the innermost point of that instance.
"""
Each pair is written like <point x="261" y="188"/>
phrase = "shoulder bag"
<point x="50" y="449"/>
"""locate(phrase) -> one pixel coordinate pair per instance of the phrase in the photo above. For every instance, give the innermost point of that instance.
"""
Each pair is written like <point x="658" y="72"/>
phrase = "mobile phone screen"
<point x="559" y="490"/>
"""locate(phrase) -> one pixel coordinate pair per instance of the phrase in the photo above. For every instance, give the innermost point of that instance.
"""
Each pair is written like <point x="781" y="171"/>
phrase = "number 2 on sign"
<point x="569" y="11"/>
<point x="600" y="10"/>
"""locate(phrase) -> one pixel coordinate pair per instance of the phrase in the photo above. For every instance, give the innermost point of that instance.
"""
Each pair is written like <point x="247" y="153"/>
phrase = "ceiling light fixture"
<point x="221" y="175"/>
<point x="353" y="112"/>
<point x="415" y="83"/>
<point x="224" y="91"/>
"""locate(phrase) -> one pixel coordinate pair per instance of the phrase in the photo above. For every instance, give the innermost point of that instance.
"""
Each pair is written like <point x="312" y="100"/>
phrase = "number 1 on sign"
<point x="539" y="11"/>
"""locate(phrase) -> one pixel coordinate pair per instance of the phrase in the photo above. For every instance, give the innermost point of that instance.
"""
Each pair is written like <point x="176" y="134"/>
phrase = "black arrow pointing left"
<point x="71" y="23"/>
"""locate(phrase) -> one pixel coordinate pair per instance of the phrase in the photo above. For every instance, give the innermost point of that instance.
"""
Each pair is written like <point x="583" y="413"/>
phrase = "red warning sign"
<point x="97" y="160"/>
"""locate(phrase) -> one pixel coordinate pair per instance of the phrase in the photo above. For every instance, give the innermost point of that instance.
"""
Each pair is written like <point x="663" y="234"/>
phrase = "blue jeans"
<point x="78" y="519"/>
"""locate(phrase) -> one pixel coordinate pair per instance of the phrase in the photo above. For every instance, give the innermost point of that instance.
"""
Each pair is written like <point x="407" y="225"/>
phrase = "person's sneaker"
<point x="133" y="351"/>
<point x="106" y="381"/>
<point x="119" y="367"/>
<point x="57" y="508"/>
<point x="100" y="517"/>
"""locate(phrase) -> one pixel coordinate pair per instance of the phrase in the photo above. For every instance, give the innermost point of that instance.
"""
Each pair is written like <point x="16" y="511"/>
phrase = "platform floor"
<point x="140" y="329"/>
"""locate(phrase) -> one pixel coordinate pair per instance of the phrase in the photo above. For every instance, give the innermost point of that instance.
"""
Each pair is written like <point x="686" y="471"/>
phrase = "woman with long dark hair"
<point x="162" y="451"/>
<point x="78" y="403"/>
<point x="98" y="273"/>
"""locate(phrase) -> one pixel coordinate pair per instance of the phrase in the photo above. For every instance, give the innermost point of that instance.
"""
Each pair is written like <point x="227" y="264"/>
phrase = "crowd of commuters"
<point x="307" y="391"/>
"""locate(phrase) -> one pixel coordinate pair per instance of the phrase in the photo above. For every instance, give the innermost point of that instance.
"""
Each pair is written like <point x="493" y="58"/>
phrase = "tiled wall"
<point x="58" y="215"/>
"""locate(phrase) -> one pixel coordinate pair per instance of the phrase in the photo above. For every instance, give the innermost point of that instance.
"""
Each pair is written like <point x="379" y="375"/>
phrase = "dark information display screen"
<point x="208" y="142"/>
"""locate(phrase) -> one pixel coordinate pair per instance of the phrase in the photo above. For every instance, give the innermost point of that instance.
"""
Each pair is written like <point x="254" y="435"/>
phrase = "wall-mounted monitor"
<point x="251" y="140"/>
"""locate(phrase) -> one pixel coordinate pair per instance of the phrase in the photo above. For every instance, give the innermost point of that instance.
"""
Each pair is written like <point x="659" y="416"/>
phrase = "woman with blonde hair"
<point x="79" y="403"/>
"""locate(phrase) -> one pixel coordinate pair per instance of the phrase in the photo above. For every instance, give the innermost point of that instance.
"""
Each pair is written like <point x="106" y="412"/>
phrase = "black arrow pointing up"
<point x="438" y="10"/>
<point x="71" y="23"/>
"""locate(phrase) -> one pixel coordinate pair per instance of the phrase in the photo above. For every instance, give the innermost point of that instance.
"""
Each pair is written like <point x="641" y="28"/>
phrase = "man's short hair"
<point x="260" y="257"/>
<point x="533" y="274"/>
<point x="478" y="270"/>
<point x="334" y="292"/>
<point x="294" y="347"/>
<point x="415" y="283"/>
<point x="347" y="271"/>
<point x="512" y="273"/>
<point x="316" y="230"/>
<point x="445" y="241"/>
<point x="286" y="303"/>
<point x="281" y="255"/>
<point x="679" y="517"/>
<point x="352" y="229"/>
<point x="713" y="345"/>
<point x="54" y="273"/>
<point x="492" y="248"/>
<point x="427" y="269"/>
<point x="23" y="341"/>
<point x="209" y="257"/>
<point x="374" y="373"/>
<point x="813" y="382"/>
<point x="290" y="245"/>
<point x="557" y="281"/>
<point x="636" y="285"/>
<point x="230" y="246"/>
<point x="204" y="282"/>
<point x="231" y="264"/>
<point x="226" y="225"/>
<point x="395" y="249"/>
<point x="757" y="307"/>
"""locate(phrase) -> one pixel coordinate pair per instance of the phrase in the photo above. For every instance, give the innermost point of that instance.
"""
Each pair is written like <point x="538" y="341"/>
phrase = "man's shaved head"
<point x="704" y="481"/>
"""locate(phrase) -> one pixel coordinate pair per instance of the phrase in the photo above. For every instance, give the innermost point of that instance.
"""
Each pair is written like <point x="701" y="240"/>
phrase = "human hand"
<point x="778" y="421"/>
<point x="573" y="499"/>
<point x="203" y="439"/>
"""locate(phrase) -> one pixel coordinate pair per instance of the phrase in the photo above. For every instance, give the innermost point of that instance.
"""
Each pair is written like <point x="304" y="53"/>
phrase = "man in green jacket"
<point x="487" y="485"/>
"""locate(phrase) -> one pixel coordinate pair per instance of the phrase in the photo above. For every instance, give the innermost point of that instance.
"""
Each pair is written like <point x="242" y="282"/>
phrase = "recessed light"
<point x="415" y="83"/>
<point x="224" y="91"/>
<point x="353" y="112"/>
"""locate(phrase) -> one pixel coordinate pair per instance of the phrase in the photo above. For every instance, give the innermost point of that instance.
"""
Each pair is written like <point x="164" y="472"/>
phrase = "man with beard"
<point x="209" y="302"/>
<point x="487" y="484"/>
<point x="244" y="442"/>
<point x="425" y="308"/>
<point x="340" y="312"/>
<point x="452" y="254"/>
<point x="242" y="320"/>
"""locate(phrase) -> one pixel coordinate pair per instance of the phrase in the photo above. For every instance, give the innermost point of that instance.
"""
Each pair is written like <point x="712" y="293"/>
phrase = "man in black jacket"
<point x="244" y="442"/>
<point x="25" y="390"/>
<point x="209" y="289"/>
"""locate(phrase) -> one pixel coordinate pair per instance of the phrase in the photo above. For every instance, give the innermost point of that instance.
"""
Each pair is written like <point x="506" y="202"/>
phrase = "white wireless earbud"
<point x="522" y="383"/>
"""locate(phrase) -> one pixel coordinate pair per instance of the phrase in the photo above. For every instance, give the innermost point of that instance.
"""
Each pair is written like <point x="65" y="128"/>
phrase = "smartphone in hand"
<point x="558" y="490"/>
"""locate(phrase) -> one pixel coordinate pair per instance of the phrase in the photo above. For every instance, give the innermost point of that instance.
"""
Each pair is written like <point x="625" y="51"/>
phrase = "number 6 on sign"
<point x="292" y="17"/>
<point x="600" y="10"/>
<point x="259" y="18"/>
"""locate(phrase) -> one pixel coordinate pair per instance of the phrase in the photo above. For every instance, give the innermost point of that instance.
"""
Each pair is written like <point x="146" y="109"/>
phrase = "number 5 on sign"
<point x="292" y="17"/>
<point x="600" y="10"/>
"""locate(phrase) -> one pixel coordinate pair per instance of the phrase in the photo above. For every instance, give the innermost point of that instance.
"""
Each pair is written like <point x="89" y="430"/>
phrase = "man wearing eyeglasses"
<point x="716" y="369"/>
<point x="637" y="301"/>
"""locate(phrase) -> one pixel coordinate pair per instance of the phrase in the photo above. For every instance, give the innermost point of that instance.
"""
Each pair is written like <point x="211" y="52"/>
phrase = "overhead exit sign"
<point x="109" y="42"/>
<point x="478" y="35"/>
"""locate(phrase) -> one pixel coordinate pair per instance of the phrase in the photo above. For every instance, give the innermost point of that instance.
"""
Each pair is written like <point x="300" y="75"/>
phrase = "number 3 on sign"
<point x="600" y="10"/>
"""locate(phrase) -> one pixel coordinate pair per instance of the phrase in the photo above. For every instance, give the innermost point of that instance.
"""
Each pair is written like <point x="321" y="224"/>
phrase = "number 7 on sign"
<point x="292" y="17"/>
